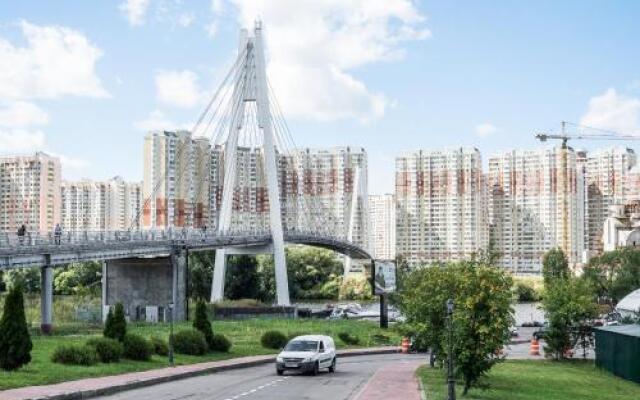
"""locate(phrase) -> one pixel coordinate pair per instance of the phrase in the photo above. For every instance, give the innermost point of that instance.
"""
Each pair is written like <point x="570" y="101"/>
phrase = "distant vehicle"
<point x="514" y="331"/>
<point x="307" y="354"/>
<point x="539" y="334"/>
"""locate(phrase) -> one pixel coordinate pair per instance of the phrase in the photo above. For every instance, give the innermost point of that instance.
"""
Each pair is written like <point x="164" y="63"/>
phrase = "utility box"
<point x="618" y="350"/>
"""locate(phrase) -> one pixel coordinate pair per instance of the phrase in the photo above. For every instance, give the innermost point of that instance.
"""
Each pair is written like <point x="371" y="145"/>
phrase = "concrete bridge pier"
<point x="46" y="296"/>
<point x="147" y="286"/>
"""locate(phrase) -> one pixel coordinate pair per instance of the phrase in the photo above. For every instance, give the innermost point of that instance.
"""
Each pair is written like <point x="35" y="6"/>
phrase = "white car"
<point x="307" y="353"/>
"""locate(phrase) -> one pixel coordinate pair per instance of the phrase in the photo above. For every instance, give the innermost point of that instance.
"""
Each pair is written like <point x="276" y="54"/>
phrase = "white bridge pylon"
<point x="250" y="86"/>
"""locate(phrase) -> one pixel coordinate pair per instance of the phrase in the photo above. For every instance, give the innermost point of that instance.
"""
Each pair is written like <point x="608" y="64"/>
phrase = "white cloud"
<point x="485" y="129"/>
<point x="56" y="61"/>
<point x="178" y="88"/>
<point x="212" y="29"/>
<point x="21" y="114"/>
<point x="185" y="19"/>
<point x="613" y="111"/>
<point x="134" y="11"/>
<point x="21" y="141"/>
<point x="313" y="47"/>
<point x="72" y="162"/>
<point x="157" y="121"/>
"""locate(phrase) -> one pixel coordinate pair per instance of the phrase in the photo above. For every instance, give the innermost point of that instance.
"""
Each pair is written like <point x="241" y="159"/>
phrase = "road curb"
<point x="150" y="381"/>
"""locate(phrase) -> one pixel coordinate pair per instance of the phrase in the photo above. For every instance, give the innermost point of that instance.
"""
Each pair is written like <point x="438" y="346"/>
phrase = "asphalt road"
<point x="261" y="382"/>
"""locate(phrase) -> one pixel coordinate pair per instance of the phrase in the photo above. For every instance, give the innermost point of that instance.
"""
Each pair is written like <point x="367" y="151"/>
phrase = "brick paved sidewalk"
<point x="394" y="381"/>
<point x="86" y="388"/>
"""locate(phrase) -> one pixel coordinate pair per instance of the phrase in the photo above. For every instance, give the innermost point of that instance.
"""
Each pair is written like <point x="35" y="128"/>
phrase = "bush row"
<point x="135" y="347"/>
<point x="277" y="340"/>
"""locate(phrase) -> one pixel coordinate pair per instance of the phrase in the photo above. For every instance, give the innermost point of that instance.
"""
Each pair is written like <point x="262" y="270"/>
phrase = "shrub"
<point x="525" y="293"/>
<point x="160" y="346"/>
<point x="201" y="323"/>
<point x="273" y="340"/>
<point x="75" y="354"/>
<point x="108" y="350"/>
<point x="15" y="342"/>
<point x="137" y="348"/>
<point x="220" y="343"/>
<point x="348" y="339"/>
<point x="190" y="341"/>
<point x="115" y="326"/>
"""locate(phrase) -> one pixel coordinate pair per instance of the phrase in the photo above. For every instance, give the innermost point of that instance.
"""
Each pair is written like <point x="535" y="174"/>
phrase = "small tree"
<point x="115" y="326"/>
<point x="482" y="318"/>
<point x="201" y="323"/>
<point x="15" y="342"/>
<point x="554" y="267"/>
<point x="568" y="305"/>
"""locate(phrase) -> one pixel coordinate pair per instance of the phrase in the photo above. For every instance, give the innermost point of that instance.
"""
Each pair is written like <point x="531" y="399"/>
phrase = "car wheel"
<point x="316" y="367"/>
<point x="279" y="372"/>
<point x="332" y="368"/>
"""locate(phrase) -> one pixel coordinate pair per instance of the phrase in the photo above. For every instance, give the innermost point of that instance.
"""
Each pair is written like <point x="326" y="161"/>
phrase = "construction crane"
<point x="601" y="134"/>
<point x="563" y="178"/>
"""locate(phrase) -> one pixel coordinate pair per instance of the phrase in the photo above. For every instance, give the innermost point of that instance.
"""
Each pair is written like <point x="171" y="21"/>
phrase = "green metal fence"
<point x="618" y="350"/>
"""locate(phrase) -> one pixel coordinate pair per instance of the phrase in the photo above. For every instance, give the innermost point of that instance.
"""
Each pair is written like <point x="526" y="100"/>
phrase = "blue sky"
<point x="84" y="80"/>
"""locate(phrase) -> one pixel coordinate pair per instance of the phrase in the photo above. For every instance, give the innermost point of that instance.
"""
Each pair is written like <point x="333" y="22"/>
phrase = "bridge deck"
<point x="37" y="250"/>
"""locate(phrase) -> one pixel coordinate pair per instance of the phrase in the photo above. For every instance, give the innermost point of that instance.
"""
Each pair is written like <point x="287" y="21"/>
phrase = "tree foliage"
<point x="554" y="266"/>
<point x="481" y="319"/>
<point x="313" y="274"/>
<point x="200" y="274"/>
<point x="27" y="278"/>
<point x="78" y="279"/>
<point x="242" y="280"/>
<point x="568" y="304"/>
<point x="201" y="323"/>
<point x="614" y="274"/>
<point x="355" y="287"/>
<point x="15" y="342"/>
<point x="115" y="326"/>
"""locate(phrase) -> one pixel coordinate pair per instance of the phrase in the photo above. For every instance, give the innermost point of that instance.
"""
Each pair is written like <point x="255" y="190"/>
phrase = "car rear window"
<point x="301" y="345"/>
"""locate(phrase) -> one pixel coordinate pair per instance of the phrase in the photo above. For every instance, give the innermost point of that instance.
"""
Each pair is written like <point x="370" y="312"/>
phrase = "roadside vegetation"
<point x="244" y="337"/>
<point x="535" y="380"/>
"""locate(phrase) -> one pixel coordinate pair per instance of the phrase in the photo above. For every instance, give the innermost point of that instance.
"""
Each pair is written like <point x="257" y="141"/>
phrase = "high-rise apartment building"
<point x="537" y="203"/>
<point x="176" y="180"/>
<point x="382" y="226"/>
<point x="333" y="185"/>
<point x="93" y="206"/>
<point x="440" y="206"/>
<point x="29" y="192"/>
<point x="607" y="184"/>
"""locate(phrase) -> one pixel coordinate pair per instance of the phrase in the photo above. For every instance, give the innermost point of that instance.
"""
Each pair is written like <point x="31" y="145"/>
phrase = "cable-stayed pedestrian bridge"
<point x="34" y="250"/>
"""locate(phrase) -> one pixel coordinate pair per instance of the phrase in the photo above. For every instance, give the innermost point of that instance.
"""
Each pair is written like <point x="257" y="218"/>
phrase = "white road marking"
<point x="261" y="387"/>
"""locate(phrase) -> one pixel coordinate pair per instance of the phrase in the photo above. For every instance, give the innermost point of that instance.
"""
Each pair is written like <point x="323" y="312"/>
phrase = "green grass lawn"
<point x="245" y="336"/>
<point x="534" y="380"/>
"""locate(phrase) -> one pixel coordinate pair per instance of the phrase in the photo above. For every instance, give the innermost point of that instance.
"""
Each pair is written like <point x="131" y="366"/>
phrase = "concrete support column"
<point x="179" y="283"/>
<point x="46" y="297"/>
<point x="217" y="285"/>
<point x="105" y="290"/>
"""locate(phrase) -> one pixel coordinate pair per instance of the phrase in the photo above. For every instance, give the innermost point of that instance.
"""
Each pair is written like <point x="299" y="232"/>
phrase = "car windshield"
<point x="301" y="345"/>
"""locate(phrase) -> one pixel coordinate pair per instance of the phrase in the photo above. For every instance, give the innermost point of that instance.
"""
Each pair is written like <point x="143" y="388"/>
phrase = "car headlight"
<point x="279" y="359"/>
<point x="307" y="359"/>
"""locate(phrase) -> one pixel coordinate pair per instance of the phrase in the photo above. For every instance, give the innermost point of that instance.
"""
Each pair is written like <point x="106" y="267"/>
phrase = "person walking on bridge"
<point x="57" y="234"/>
<point x="22" y="231"/>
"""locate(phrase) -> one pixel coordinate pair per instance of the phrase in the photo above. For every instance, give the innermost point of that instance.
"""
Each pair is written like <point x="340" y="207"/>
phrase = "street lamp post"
<point x="171" y="334"/>
<point x="451" y="381"/>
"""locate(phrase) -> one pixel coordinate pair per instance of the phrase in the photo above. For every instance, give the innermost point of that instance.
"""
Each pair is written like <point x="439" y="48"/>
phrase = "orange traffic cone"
<point x="405" y="345"/>
<point x="535" y="347"/>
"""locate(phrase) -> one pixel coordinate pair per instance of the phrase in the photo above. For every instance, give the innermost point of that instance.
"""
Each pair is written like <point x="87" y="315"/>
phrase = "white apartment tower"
<point x="440" y="206"/>
<point x="537" y="203"/>
<point x="607" y="184"/>
<point x="333" y="184"/>
<point x="29" y="192"/>
<point x="382" y="226"/>
<point x="113" y="205"/>
<point x="176" y="180"/>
